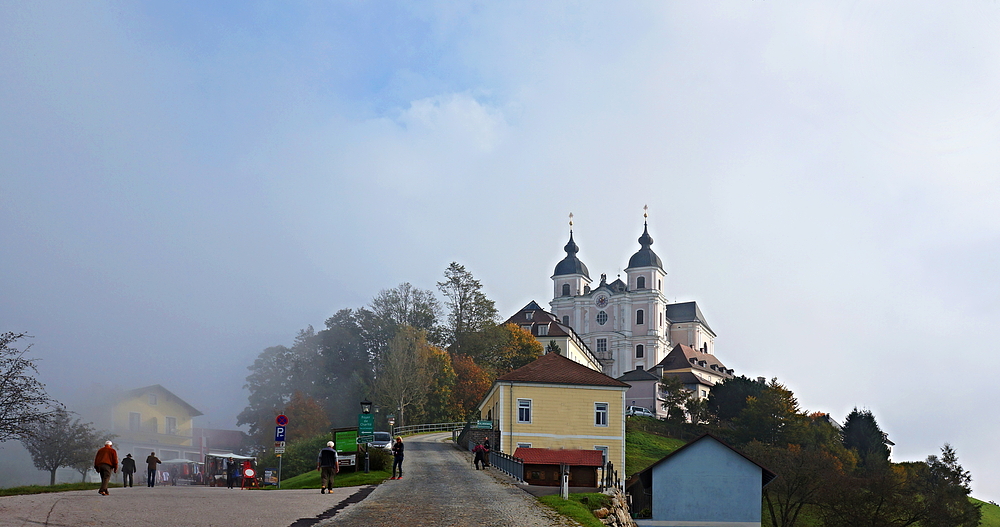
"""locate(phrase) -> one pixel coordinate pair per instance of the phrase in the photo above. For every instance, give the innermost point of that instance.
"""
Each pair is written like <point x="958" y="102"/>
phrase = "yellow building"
<point x="153" y="419"/>
<point x="554" y="402"/>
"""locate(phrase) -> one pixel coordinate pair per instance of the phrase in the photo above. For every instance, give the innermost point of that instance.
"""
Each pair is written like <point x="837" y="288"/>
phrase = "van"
<point x="639" y="411"/>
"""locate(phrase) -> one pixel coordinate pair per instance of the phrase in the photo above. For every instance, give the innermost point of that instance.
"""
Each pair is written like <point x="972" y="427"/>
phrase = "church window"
<point x="602" y="317"/>
<point x="565" y="290"/>
<point x="640" y="351"/>
<point x="602" y="345"/>
<point x="640" y="283"/>
<point x="660" y="286"/>
<point x="640" y="317"/>
<point x="566" y="320"/>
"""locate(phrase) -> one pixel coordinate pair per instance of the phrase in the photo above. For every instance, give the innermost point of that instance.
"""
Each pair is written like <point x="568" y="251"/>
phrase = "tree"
<point x="729" y="397"/>
<point x="61" y="441"/>
<point x="863" y="435"/>
<point x="675" y="398"/>
<point x="886" y="498"/>
<point x="440" y="406"/>
<point x="469" y="311"/>
<point x="552" y="348"/>
<point x="405" y="305"/>
<point x="772" y="417"/>
<point x="403" y="376"/>
<point x="23" y="400"/>
<point x="306" y="417"/>
<point x="471" y="384"/>
<point x="946" y="492"/>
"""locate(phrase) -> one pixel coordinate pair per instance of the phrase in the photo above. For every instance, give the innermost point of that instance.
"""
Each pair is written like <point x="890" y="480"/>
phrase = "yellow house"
<point x="153" y="419"/>
<point x="555" y="402"/>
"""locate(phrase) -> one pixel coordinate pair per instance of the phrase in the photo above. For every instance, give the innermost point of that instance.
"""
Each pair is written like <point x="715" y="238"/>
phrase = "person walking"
<point x="479" y="451"/>
<point x="231" y="471"/>
<point x="105" y="462"/>
<point x="397" y="458"/>
<point x="327" y="464"/>
<point x="128" y="469"/>
<point x="486" y="452"/>
<point x="151" y="462"/>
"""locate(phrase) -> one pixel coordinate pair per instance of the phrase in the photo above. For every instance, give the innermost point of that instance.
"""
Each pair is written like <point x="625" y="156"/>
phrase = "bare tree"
<point x="23" y="400"/>
<point x="62" y="441"/>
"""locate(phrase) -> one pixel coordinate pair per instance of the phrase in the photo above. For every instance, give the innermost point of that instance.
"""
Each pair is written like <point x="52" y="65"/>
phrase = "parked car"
<point x="382" y="440"/>
<point x="638" y="410"/>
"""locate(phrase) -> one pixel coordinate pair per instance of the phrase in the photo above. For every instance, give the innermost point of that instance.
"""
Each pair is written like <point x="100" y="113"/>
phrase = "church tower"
<point x="570" y="279"/>
<point x="648" y="303"/>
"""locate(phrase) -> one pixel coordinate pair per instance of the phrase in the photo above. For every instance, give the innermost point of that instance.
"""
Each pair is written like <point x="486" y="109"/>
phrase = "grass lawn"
<point x="642" y="449"/>
<point x="991" y="514"/>
<point x="578" y="507"/>
<point x="311" y="480"/>
<point x="41" y="489"/>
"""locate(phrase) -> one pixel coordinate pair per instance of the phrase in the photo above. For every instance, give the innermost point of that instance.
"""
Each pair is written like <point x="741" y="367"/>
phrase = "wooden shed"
<point x="541" y="466"/>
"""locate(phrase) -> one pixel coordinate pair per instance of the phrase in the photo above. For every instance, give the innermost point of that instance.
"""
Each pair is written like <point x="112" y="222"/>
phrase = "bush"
<point x="379" y="459"/>
<point x="299" y="457"/>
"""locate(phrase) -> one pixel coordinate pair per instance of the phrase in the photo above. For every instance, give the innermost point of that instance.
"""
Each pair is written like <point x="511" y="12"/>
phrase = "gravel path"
<point x="440" y="488"/>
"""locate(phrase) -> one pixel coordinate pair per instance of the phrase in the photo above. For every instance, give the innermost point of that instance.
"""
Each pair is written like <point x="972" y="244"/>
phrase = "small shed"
<point x="705" y="482"/>
<point x="541" y="466"/>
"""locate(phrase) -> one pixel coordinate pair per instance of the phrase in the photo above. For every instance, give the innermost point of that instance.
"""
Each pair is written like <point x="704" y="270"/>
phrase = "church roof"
<point x="553" y="368"/>
<point x="571" y="264"/>
<point x="645" y="257"/>
<point x="686" y="312"/>
<point x="686" y="357"/>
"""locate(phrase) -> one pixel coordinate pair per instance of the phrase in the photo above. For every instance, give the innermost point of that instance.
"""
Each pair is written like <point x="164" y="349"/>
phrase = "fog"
<point x="183" y="185"/>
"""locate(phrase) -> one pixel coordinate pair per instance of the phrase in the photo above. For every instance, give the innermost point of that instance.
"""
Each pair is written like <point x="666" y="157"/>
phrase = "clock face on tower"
<point x="601" y="300"/>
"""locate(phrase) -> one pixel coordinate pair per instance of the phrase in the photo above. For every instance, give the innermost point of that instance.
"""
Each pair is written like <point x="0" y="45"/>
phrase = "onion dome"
<point x="571" y="264"/>
<point x="645" y="257"/>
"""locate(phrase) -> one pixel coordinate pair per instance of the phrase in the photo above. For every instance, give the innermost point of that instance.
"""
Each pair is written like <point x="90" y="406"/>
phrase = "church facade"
<point x="627" y="325"/>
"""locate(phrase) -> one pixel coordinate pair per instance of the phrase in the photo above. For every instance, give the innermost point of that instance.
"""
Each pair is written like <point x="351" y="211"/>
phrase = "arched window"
<point x="566" y="320"/>
<point x="640" y="283"/>
<point x="602" y="317"/>
<point x="640" y="317"/>
<point x="640" y="351"/>
<point x="565" y="290"/>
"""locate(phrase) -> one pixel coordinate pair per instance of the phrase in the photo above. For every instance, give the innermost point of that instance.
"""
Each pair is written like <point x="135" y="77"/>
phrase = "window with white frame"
<point x="530" y="315"/>
<point x="524" y="410"/>
<point x="640" y="283"/>
<point x="600" y="414"/>
<point x="566" y="320"/>
<point x="543" y="330"/>
<point x="602" y="317"/>
<point x="640" y="351"/>
<point x="524" y="445"/>
<point x="565" y="290"/>
<point x="640" y="316"/>
<point x="602" y="345"/>
<point x="604" y="453"/>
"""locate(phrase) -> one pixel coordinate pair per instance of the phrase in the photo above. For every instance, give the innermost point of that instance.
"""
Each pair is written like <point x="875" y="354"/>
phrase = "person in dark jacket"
<point x="326" y="463"/>
<point x="480" y="453"/>
<point x="397" y="458"/>
<point x="106" y="462"/>
<point x="151" y="462"/>
<point x="128" y="469"/>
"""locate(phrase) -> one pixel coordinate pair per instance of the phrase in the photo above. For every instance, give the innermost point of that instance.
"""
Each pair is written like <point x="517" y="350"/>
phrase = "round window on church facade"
<point x="602" y="317"/>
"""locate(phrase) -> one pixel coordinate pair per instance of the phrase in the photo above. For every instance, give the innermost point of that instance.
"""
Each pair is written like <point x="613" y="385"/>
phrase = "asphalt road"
<point x="439" y="488"/>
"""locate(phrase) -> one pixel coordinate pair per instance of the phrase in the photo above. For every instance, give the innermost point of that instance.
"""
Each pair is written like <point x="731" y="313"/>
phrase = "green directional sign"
<point x="366" y="424"/>
<point x="484" y="425"/>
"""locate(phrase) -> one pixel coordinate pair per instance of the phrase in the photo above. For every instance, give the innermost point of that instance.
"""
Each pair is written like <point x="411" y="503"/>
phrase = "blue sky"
<point x="183" y="185"/>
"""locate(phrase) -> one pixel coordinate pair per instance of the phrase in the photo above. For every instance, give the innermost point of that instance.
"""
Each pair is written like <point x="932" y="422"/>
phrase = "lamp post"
<point x="366" y="409"/>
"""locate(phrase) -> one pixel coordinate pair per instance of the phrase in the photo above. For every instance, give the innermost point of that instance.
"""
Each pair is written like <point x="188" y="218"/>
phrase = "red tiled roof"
<point x="546" y="456"/>
<point x="555" y="369"/>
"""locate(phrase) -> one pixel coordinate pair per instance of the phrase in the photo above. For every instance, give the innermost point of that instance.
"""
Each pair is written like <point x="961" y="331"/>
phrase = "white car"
<point x="639" y="411"/>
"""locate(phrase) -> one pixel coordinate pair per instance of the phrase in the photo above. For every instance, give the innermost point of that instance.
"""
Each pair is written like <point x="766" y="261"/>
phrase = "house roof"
<point x="646" y="475"/>
<point x="546" y="456"/>
<point x="681" y="358"/>
<point x="638" y="375"/>
<point x="554" y="327"/>
<point x="553" y="368"/>
<point x="138" y="392"/>
<point x="686" y="312"/>
<point x="687" y="377"/>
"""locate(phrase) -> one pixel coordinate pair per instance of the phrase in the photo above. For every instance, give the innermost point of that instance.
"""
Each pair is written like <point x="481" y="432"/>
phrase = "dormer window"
<point x="530" y="315"/>
<point x="640" y="283"/>
<point x="543" y="330"/>
<point x="693" y="360"/>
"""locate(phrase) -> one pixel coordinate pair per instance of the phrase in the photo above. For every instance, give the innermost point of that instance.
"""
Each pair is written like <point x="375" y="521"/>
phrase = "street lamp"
<point x="366" y="409"/>
<point x="366" y="406"/>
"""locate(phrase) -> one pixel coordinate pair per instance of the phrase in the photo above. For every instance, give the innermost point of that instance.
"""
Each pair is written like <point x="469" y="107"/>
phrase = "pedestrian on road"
<point x="105" y="462"/>
<point x="327" y="464"/>
<point x="151" y="462"/>
<point x="231" y="472"/>
<point x="397" y="458"/>
<point x="486" y="452"/>
<point x="479" y="451"/>
<point x="128" y="468"/>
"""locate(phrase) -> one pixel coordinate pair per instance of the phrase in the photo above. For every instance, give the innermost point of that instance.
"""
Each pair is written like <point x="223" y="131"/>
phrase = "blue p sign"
<point x="279" y="433"/>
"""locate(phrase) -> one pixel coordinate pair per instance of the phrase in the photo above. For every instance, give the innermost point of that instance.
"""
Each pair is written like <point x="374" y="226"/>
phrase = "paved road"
<point x="440" y="488"/>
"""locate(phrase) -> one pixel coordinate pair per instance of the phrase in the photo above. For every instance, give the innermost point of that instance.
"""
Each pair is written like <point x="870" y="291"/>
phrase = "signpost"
<point x="279" y="440"/>
<point x="366" y="424"/>
<point x="363" y="440"/>
<point x="484" y="425"/>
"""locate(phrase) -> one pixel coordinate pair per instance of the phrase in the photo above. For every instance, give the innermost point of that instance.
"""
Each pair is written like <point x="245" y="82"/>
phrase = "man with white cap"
<point x="106" y="462"/>
<point x="326" y="463"/>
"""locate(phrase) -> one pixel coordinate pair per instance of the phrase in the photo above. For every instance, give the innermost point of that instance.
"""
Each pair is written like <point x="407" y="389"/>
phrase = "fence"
<point x="432" y="427"/>
<point x="510" y="465"/>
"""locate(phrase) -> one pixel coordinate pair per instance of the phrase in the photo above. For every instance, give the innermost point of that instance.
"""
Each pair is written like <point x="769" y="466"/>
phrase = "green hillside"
<point x="991" y="514"/>
<point x="310" y="480"/>
<point x="642" y="449"/>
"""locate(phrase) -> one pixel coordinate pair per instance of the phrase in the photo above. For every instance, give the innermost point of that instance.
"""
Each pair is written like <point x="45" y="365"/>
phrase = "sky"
<point x="183" y="184"/>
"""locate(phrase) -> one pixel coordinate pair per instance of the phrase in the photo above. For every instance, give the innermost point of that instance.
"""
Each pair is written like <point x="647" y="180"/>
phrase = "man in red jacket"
<point x="105" y="463"/>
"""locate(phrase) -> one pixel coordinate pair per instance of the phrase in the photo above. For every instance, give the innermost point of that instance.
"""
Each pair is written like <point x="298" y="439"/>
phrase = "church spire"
<point x="645" y="257"/>
<point x="571" y="264"/>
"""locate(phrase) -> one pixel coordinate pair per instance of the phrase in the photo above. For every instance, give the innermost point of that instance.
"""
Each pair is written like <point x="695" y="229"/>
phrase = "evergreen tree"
<point x="863" y="435"/>
<point x="469" y="310"/>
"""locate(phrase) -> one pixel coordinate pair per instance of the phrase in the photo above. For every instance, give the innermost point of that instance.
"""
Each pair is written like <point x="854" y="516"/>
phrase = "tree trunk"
<point x="52" y="476"/>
